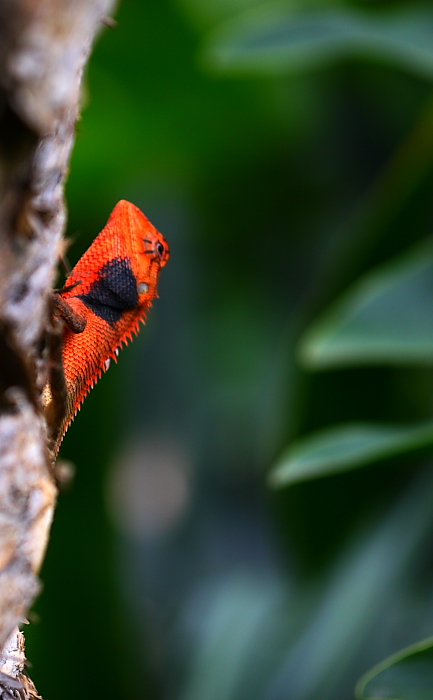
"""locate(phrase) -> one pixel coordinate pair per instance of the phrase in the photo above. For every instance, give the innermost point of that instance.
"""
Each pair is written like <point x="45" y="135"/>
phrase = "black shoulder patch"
<point x="114" y="292"/>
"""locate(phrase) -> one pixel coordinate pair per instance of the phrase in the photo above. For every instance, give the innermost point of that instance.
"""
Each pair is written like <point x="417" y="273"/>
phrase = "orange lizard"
<point x="105" y="297"/>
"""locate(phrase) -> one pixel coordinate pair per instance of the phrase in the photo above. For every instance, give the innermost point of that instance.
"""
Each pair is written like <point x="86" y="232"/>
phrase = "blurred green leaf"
<point x="345" y="447"/>
<point x="407" y="675"/>
<point x="275" y="39"/>
<point x="385" y="318"/>
<point x="205" y="13"/>
<point x="232" y="612"/>
<point x="362" y="581"/>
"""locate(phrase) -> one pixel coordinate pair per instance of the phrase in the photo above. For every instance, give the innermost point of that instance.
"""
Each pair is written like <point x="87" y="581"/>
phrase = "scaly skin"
<point x="108" y="293"/>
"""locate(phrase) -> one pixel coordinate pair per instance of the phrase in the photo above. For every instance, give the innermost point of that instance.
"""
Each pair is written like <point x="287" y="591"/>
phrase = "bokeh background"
<point x="252" y="512"/>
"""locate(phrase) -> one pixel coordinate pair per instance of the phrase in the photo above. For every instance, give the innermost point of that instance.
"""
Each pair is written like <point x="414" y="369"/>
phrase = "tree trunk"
<point x="44" y="45"/>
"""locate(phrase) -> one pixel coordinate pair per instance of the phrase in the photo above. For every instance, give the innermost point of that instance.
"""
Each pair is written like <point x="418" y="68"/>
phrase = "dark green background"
<point x="275" y="192"/>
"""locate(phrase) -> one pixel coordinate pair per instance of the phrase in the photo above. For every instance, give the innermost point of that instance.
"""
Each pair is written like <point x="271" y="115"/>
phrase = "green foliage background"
<point x="252" y="513"/>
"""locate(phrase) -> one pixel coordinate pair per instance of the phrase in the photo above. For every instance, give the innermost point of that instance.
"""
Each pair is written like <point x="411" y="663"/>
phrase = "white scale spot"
<point x="142" y="288"/>
<point x="107" y="364"/>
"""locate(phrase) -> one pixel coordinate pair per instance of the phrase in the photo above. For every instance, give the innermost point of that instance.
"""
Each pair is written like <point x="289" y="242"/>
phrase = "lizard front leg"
<point x="72" y="319"/>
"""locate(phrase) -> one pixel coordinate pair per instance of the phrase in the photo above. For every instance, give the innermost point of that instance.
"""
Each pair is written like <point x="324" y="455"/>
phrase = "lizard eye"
<point x="160" y="249"/>
<point x="157" y="249"/>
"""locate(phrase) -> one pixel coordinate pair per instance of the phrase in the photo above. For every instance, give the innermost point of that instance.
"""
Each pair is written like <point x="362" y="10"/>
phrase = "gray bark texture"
<point x="44" y="46"/>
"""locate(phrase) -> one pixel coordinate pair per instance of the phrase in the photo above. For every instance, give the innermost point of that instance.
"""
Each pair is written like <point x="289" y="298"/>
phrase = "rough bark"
<point x="44" y="45"/>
